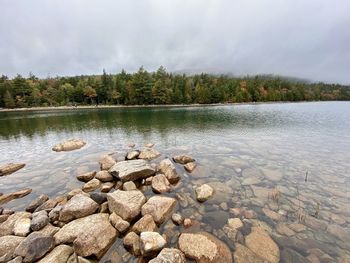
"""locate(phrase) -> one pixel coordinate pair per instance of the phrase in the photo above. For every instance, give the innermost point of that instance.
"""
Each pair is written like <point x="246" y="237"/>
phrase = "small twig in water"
<point x="307" y="172"/>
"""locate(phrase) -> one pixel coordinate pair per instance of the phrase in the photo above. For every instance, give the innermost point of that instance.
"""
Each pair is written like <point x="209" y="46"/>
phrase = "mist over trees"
<point x="160" y="87"/>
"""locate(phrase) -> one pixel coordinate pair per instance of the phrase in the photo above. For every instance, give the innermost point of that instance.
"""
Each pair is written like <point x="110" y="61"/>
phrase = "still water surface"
<point x="244" y="151"/>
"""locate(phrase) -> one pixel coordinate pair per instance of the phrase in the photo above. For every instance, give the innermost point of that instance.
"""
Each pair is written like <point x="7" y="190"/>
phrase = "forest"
<point x="160" y="87"/>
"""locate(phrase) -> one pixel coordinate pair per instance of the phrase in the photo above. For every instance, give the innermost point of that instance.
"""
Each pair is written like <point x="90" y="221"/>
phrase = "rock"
<point x="187" y="222"/>
<point x="235" y="223"/>
<point x="132" y="170"/>
<point x="106" y="162"/>
<point x="78" y="206"/>
<point x="5" y="198"/>
<point x="10" y="168"/>
<point x="177" y="218"/>
<point x="75" y="192"/>
<point x="189" y="167"/>
<point x="271" y="214"/>
<point x="49" y="230"/>
<point x="272" y="175"/>
<point x="6" y="228"/>
<point x="145" y="224"/>
<point x="104" y="208"/>
<point x="118" y="222"/>
<point x="34" y="246"/>
<point x="92" y="185"/>
<point x="249" y="214"/>
<point x="160" y="207"/>
<point x="16" y="260"/>
<point x="204" y="192"/>
<point x="262" y="245"/>
<point x="148" y="154"/>
<point x="151" y="243"/>
<point x="98" y="197"/>
<point x="39" y="220"/>
<point x="54" y="214"/>
<point x="149" y="145"/>
<point x="183" y="159"/>
<point x="297" y="227"/>
<point x="132" y="241"/>
<point x="290" y="256"/>
<point x="160" y="184"/>
<point x="126" y="204"/>
<point x="129" y="186"/>
<point x="106" y="187"/>
<point x="90" y="235"/>
<point x="132" y="155"/>
<point x="3" y="218"/>
<point x="36" y="203"/>
<point x="284" y="230"/>
<point x="59" y="254"/>
<point x="48" y="205"/>
<point x="85" y="177"/>
<point x="22" y="227"/>
<point x="204" y="248"/>
<point x="169" y="255"/>
<point x="69" y="145"/>
<point x="104" y="176"/>
<point x="339" y="232"/>
<point x="167" y="168"/>
<point x="243" y="254"/>
<point x="8" y="245"/>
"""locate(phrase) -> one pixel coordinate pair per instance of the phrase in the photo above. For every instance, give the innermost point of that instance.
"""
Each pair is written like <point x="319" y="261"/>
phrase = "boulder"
<point x="6" y="228"/>
<point x="167" y="168"/>
<point x="22" y="227"/>
<point x="126" y="204"/>
<point x="8" y="245"/>
<point x="36" y="203"/>
<point x="159" y="207"/>
<point x="39" y="220"/>
<point x="148" y="154"/>
<point x="151" y="243"/>
<point x="169" y="255"/>
<point x="262" y="245"/>
<point x="204" y="248"/>
<point x="5" y="198"/>
<point x="243" y="254"/>
<point x="160" y="184"/>
<point x="59" y="254"/>
<point x="132" y="155"/>
<point x="78" y="206"/>
<point x="204" y="192"/>
<point x="189" y="167"/>
<point x="49" y="230"/>
<point x="132" y="170"/>
<point x="104" y="176"/>
<point x="92" y="185"/>
<point x="183" y="159"/>
<point x="10" y="168"/>
<point x="98" y="197"/>
<point x="34" y="246"/>
<point x="132" y="241"/>
<point x="145" y="224"/>
<point x="69" y="145"/>
<point x="85" y="177"/>
<point x="106" y="162"/>
<point x="118" y="222"/>
<point x="90" y="235"/>
<point x="129" y="186"/>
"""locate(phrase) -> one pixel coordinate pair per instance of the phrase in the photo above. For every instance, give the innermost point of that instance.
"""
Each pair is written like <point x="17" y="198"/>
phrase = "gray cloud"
<point x="308" y="39"/>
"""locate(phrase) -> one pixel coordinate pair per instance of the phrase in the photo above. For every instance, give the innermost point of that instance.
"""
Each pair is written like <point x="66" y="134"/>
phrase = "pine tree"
<point x="8" y="100"/>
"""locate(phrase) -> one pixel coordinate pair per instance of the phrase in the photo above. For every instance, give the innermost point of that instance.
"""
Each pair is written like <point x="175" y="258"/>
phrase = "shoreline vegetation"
<point x="162" y="88"/>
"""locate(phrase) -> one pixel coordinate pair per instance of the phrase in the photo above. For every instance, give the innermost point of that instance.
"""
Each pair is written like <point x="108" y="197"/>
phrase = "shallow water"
<point x="244" y="151"/>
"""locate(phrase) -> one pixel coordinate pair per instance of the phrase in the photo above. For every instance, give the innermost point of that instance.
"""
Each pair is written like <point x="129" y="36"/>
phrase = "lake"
<point x="244" y="151"/>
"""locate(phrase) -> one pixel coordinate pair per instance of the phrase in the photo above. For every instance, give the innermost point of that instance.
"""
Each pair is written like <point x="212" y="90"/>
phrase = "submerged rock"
<point x="183" y="159"/>
<point x="5" y="198"/>
<point x="177" y="218"/>
<point x="151" y="243"/>
<point x="159" y="207"/>
<point x="160" y="184"/>
<point x="204" y="192"/>
<point x="69" y="145"/>
<point x="148" y="154"/>
<point x="167" y="168"/>
<point x="106" y="162"/>
<point x="78" y="206"/>
<point x="243" y="254"/>
<point x="10" y="168"/>
<point x="189" y="167"/>
<point x="169" y="255"/>
<point x="132" y="170"/>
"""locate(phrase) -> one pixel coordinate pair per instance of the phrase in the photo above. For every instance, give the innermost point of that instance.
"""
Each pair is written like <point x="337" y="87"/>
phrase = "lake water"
<point x="246" y="152"/>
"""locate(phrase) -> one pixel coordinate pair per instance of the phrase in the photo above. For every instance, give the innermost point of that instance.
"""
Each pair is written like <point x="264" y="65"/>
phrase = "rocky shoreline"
<point x="142" y="202"/>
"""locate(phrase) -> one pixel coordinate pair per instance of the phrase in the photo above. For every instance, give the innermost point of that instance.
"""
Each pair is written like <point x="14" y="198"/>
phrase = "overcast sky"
<point x="302" y="38"/>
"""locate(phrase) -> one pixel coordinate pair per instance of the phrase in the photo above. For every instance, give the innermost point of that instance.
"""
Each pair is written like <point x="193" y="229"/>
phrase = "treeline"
<point x="160" y="87"/>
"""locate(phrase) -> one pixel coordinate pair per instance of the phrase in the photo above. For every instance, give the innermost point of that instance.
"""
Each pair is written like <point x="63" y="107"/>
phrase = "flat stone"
<point x="169" y="255"/>
<point x="85" y="177"/>
<point x="10" y="168"/>
<point x="106" y="162"/>
<point x="272" y="214"/>
<point x="151" y="243"/>
<point x="167" y="168"/>
<point x="235" y="223"/>
<point x="34" y="246"/>
<point x="59" y="254"/>
<point x="7" y="227"/>
<point x="145" y="224"/>
<point x="8" y="245"/>
<point x="69" y="145"/>
<point x="92" y="185"/>
<point x="160" y="184"/>
<point x="104" y="176"/>
<point x="132" y="170"/>
<point x="118" y="222"/>
<point x="90" y="235"/>
<point x="189" y="167"/>
<point x="126" y="204"/>
<point x="284" y="230"/>
<point x="49" y="230"/>
<point x="159" y="207"/>
<point x="22" y="227"/>
<point x="106" y="187"/>
<point x="204" y="192"/>
<point x="36" y="203"/>
<point x="243" y="254"/>
<point x="262" y="245"/>
<point x="204" y="248"/>
<point x="39" y="220"/>
<point x="129" y="186"/>
<point x="78" y="206"/>
<point x="148" y="154"/>
<point x="132" y="155"/>
<point x="5" y="198"/>
<point x="183" y="159"/>
<point x="48" y="205"/>
<point x="297" y="227"/>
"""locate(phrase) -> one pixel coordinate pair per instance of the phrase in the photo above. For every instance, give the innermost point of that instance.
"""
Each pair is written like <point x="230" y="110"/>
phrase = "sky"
<point x="308" y="39"/>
